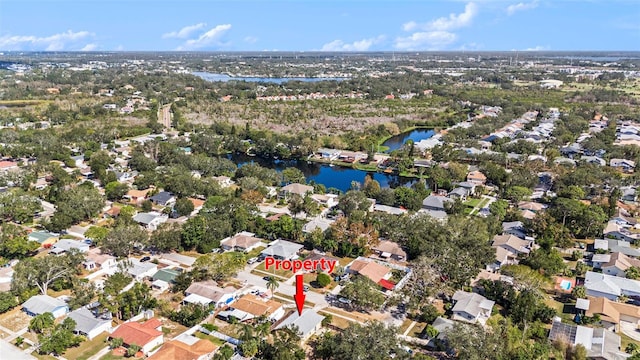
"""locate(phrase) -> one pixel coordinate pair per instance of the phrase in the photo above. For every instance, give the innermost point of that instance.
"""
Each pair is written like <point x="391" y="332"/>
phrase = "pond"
<point x="396" y="142"/>
<point x="330" y="176"/>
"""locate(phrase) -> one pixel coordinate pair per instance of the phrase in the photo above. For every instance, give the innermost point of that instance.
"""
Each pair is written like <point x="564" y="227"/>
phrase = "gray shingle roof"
<point x="305" y="323"/>
<point x="40" y="304"/>
<point x="86" y="321"/>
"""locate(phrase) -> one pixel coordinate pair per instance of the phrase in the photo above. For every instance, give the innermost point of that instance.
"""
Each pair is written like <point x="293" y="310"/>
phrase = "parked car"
<point x="253" y="260"/>
<point x="305" y="288"/>
<point x="146" y="258"/>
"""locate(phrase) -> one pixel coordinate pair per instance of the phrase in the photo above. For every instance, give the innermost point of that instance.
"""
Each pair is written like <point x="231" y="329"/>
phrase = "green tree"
<point x="184" y="207"/>
<point x="272" y="284"/>
<point x="41" y="272"/>
<point x="323" y="279"/>
<point x="166" y="237"/>
<point x="114" y="190"/>
<point x="42" y="323"/>
<point x="122" y="240"/>
<point x="133" y="349"/>
<point x="632" y="272"/>
<point x="224" y="353"/>
<point x="363" y="293"/>
<point x="18" y="206"/>
<point x="293" y="175"/>
<point x="7" y="301"/>
<point x="296" y="205"/>
<point x="96" y="233"/>
<point x="373" y="340"/>
<point x="579" y="292"/>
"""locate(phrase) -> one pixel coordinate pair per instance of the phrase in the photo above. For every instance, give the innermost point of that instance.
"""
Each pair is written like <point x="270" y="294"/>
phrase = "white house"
<point x="88" y="325"/>
<point x="610" y="287"/>
<point x="40" y="304"/>
<point x="150" y="220"/>
<point x="471" y="307"/>
<point x="307" y="324"/>
<point x="243" y="241"/>
<point x="208" y="292"/>
<point x="140" y="270"/>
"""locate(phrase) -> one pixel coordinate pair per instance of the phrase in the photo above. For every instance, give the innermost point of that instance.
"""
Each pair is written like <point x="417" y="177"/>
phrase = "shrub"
<point x="323" y="279"/>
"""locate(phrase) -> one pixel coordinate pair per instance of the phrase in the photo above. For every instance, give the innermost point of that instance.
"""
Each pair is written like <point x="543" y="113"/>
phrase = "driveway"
<point x="630" y="329"/>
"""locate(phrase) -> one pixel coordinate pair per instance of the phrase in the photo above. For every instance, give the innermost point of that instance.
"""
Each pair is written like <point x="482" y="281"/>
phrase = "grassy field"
<point x="213" y="339"/>
<point x="87" y="348"/>
<point x="285" y="274"/>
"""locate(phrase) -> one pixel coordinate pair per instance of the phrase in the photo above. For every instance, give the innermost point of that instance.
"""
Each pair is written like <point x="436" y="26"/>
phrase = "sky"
<point x="313" y="25"/>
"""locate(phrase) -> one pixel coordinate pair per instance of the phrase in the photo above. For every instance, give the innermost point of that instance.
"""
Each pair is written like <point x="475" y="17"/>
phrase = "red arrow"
<point x="299" y="296"/>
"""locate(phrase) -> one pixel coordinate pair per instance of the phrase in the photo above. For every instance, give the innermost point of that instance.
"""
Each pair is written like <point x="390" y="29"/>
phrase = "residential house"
<point x="512" y="244"/>
<point x="515" y="228"/>
<point x="597" y="260"/>
<point x="89" y="325"/>
<point x="65" y="245"/>
<point x="223" y="181"/>
<point x="6" y="165"/>
<point x="147" y="335"/>
<point x="628" y="194"/>
<point x="95" y="259"/>
<point x="476" y="177"/>
<point x="601" y="344"/>
<point x="613" y="313"/>
<point x="459" y="193"/>
<point x="251" y="306"/>
<point x="441" y="325"/>
<point x="614" y="245"/>
<point x="434" y="206"/>
<point x="377" y="273"/>
<point x="197" y="205"/>
<point x="531" y="206"/>
<point x="610" y="287"/>
<point x="624" y="165"/>
<point x="185" y="347"/>
<point x="243" y="241"/>
<point x="471" y="187"/>
<point x="390" y="250"/>
<point x="140" y="270"/>
<point x="317" y="223"/>
<point x="389" y="209"/>
<point x="208" y="292"/>
<point x="307" y="324"/>
<point x="163" y="198"/>
<point x="78" y="161"/>
<point x="125" y="176"/>
<point x="615" y="230"/>
<point x="471" y="307"/>
<point x="282" y="250"/>
<point x="137" y="196"/>
<point x="44" y="238"/>
<point x="328" y="154"/>
<point x="295" y="188"/>
<point x="594" y="160"/>
<point x="150" y="220"/>
<point x="328" y="200"/>
<point x="619" y="263"/>
<point x="314" y="255"/>
<point x="166" y="275"/>
<point x="40" y="304"/>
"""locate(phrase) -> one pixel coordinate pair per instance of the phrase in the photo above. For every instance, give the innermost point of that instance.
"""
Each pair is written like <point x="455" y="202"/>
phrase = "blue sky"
<point x="328" y="25"/>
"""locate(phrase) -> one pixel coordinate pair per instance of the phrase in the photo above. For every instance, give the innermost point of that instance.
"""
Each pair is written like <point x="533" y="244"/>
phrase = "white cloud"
<point x="513" y="8"/>
<point x="250" y="39"/>
<point x="453" y="21"/>
<point x="360" y="45"/>
<point x="211" y="37"/>
<point x="185" y="32"/>
<point x="426" y="40"/>
<point x="537" y="48"/>
<point x="89" y="47"/>
<point x="62" y="41"/>
<point x="436" y="34"/>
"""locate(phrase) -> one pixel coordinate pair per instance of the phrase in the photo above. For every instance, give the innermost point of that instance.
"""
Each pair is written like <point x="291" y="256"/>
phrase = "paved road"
<point x="284" y="287"/>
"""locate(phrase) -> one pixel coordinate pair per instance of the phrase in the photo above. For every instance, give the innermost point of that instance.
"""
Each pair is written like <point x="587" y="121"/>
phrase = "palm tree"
<point x="272" y="284"/>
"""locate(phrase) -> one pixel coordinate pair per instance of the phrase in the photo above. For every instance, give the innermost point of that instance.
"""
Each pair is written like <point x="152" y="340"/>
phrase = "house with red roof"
<point x="147" y="335"/>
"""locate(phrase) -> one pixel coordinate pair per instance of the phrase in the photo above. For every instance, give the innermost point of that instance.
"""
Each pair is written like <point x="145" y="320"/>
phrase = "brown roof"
<point x="370" y="269"/>
<point x="97" y="256"/>
<point x="4" y="164"/>
<point x="138" y="193"/>
<point x="256" y="306"/>
<point x="296" y="188"/>
<point x="197" y="203"/>
<point x="177" y="350"/>
<point x="610" y="310"/>
<point x="476" y="175"/>
<point x="390" y="247"/>
<point x="137" y="333"/>
<point x="621" y="261"/>
<point x="530" y="205"/>
<point x="241" y="241"/>
<point x="209" y="289"/>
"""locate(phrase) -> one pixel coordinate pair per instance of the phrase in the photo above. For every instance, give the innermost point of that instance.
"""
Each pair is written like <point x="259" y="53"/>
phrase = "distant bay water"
<point x="225" y="78"/>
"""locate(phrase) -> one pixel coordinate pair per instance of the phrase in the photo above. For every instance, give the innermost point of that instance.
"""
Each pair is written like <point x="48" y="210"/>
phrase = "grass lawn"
<point x="345" y="261"/>
<point x="255" y="252"/>
<point x="87" y="348"/>
<point x="483" y="203"/>
<point x="15" y="319"/>
<point x="405" y="325"/>
<point x="110" y="356"/>
<point x="311" y="277"/>
<point x="172" y="329"/>
<point x="472" y="202"/>
<point x="285" y="274"/>
<point x="42" y="357"/>
<point x="213" y="339"/>
<point x="625" y="340"/>
<point x="351" y="315"/>
<point x="337" y="321"/>
<point x="284" y="297"/>
<point x="417" y="329"/>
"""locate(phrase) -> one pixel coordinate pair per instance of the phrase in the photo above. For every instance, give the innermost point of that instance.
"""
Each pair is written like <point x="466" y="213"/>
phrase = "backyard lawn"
<point x="88" y="348"/>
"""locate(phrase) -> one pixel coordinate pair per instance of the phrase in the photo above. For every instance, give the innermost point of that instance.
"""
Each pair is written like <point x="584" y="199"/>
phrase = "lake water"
<point x="396" y="142"/>
<point x="224" y="78"/>
<point x="330" y="176"/>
